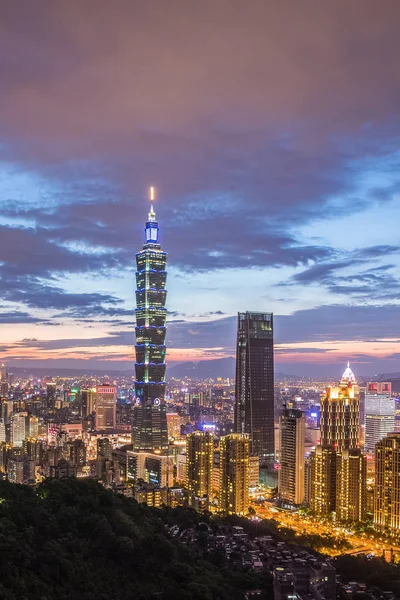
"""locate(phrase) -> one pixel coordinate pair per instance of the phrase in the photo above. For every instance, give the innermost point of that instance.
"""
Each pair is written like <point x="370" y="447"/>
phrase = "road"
<point x="302" y="524"/>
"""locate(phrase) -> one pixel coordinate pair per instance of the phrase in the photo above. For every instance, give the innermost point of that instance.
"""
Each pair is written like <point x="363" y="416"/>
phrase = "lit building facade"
<point x="340" y="414"/>
<point x="87" y="397"/>
<point x="323" y="480"/>
<point x="351" y="485"/>
<point x="254" y="409"/>
<point x="379" y="414"/>
<point x="387" y="483"/>
<point x="106" y="407"/>
<point x="150" y="431"/>
<point x="291" y="471"/>
<point x="200" y="462"/>
<point x="234" y="474"/>
<point x="18" y="429"/>
<point x="155" y="469"/>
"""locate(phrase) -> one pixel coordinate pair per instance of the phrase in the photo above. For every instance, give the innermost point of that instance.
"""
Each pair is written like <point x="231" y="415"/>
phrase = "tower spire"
<point x="152" y="197"/>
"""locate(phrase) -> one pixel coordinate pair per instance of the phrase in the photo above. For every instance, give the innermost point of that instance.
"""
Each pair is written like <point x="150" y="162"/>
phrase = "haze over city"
<point x="275" y="158"/>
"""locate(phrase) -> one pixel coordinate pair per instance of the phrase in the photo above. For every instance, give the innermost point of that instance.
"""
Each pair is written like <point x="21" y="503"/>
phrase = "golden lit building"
<point x="291" y="472"/>
<point x="199" y="461"/>
<point x="106" y="407"/>
<point x="234" y="474"/>
<point x="254" y="471"/>
<point x="351" y="485"/>
<point x="340" y="414"/>
<point x="387" y="483"/>
<point x="174" y="422"/>
<point x="323" y="480"/>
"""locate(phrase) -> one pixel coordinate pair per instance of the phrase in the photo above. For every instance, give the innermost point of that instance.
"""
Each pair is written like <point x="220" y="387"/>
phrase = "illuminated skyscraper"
<point x="379" y="413"/>
<point x="387" y="483"/>
<point x="18" y="429"/>
<point x="150" y="431"/>
<point x="87" y="402"/>
<point x="200" y="463"/>
<point x="291" y="472"/>
<point x="340" y="414"/>
<point x="254" y="410"/>
<point x="106" y="407"/>
<point x="234" y="474"/>
<point x="338" y="468"/>
<point x="351" y="485"/>
<point x="323" y="480"/>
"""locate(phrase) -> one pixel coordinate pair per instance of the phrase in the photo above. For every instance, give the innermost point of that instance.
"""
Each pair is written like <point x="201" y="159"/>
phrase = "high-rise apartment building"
<point x="340" y="414"/>
<point x="106" y="407"/>
<point x="4" y="383"/>
<point x="33" y="427"/>
<point x="291" y="472"/>
<point x="387" y="483"/>
<point x="323" y="480"/>
<point x="51" y="389"/>
<point x="254" y="409"/>
<point x="234" y="474"/>
<point x="336" y="461"/>
<point x="150" y="431"/>
<point x="200" y="462"/>
<point x="351" y="485"/>
<point x="88" y="398"/>
<point x="18" y="429"/>
<point x="379" y="413"/>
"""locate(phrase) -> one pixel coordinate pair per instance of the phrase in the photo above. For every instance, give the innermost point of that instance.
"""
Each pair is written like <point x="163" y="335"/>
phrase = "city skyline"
<point x="276" y="160"/>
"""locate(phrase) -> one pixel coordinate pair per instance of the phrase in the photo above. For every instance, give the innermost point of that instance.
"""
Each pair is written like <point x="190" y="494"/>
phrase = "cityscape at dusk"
<point x="199" y="314"/>
<point x="275" y="158"/>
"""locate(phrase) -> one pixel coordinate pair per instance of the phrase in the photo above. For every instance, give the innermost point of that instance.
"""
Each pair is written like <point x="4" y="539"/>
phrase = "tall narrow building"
<point x="379" y="414"/>
<point x="200" y="463"/>
<point x="291" y="472"/>
<point x="340" y="414"/>
<point x="351" y="485"/>
<point x="254" y="409"/>
<point x="387" y="484"/>
<point x="234" y="474"/>
<point x="106" y="407"/>
<point x="150" y="431"/>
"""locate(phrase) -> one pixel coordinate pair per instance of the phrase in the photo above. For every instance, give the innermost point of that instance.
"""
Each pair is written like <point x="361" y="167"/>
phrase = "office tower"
<point x="234" y="474"/>
<point x="51" y="395"/>
<point x="33" y="427"/>
<point x="200" y="461"/>
<point x="174" y="422"/>
<point x="150" y="431"/>
<point x="87" y="402"/>
<point x="156" y="469"/>
<point x="104" y="448"/>
<point x="3" y="437"/>
<point x="18" y="429"/>
<point x="351" y="485"/>
<point x="340" y="414"/>
<point x="34" y="450"/>
<point x="77" y="453"/>
<point x="106" y="407"/>
<point x="323" y="480"/>
<point x="3" y="380"/>
<point x="379" y="414"/>
<point x="387" y="483"/>
<point x="254" y="409"/>
<point x="291" y="472"/>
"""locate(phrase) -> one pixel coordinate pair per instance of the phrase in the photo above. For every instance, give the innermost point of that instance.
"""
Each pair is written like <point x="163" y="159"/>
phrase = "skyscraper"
<point x="379" y="413"/>
<point x="87" y="401"/>
<point x="351" y="485"/>
<point x="254" y="409"/>
<point x="387" y="483"/>
<point x="340" y="414"/>
<point x="106" y="407"/>
<point x="18" y="429"/>
<point x="291" y="472"/>
<point x="200" y="462"/>
<point x="234" y="474"/>
<point x="150" y="431"/>
<point x="335" y="463"/>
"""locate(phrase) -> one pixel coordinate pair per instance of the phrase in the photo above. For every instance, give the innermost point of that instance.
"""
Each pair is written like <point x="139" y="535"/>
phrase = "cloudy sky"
<point x="271" y="129"/>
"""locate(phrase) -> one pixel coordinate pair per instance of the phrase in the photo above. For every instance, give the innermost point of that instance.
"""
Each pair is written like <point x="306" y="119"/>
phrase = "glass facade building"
<point x="254" y="409"/>
<point x="150" y="432"/>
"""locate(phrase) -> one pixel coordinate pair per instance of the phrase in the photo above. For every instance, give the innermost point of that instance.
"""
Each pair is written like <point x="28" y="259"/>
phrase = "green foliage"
<point x="74" y="539"/>
<point x="375" y="572"/>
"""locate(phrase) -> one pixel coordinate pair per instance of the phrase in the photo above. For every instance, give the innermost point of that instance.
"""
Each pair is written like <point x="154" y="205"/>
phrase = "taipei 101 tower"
<point x="150" y="431"/>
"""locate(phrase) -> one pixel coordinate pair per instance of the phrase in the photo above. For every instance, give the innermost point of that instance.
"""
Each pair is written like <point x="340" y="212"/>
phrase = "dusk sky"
<point x="271" y="129"/>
